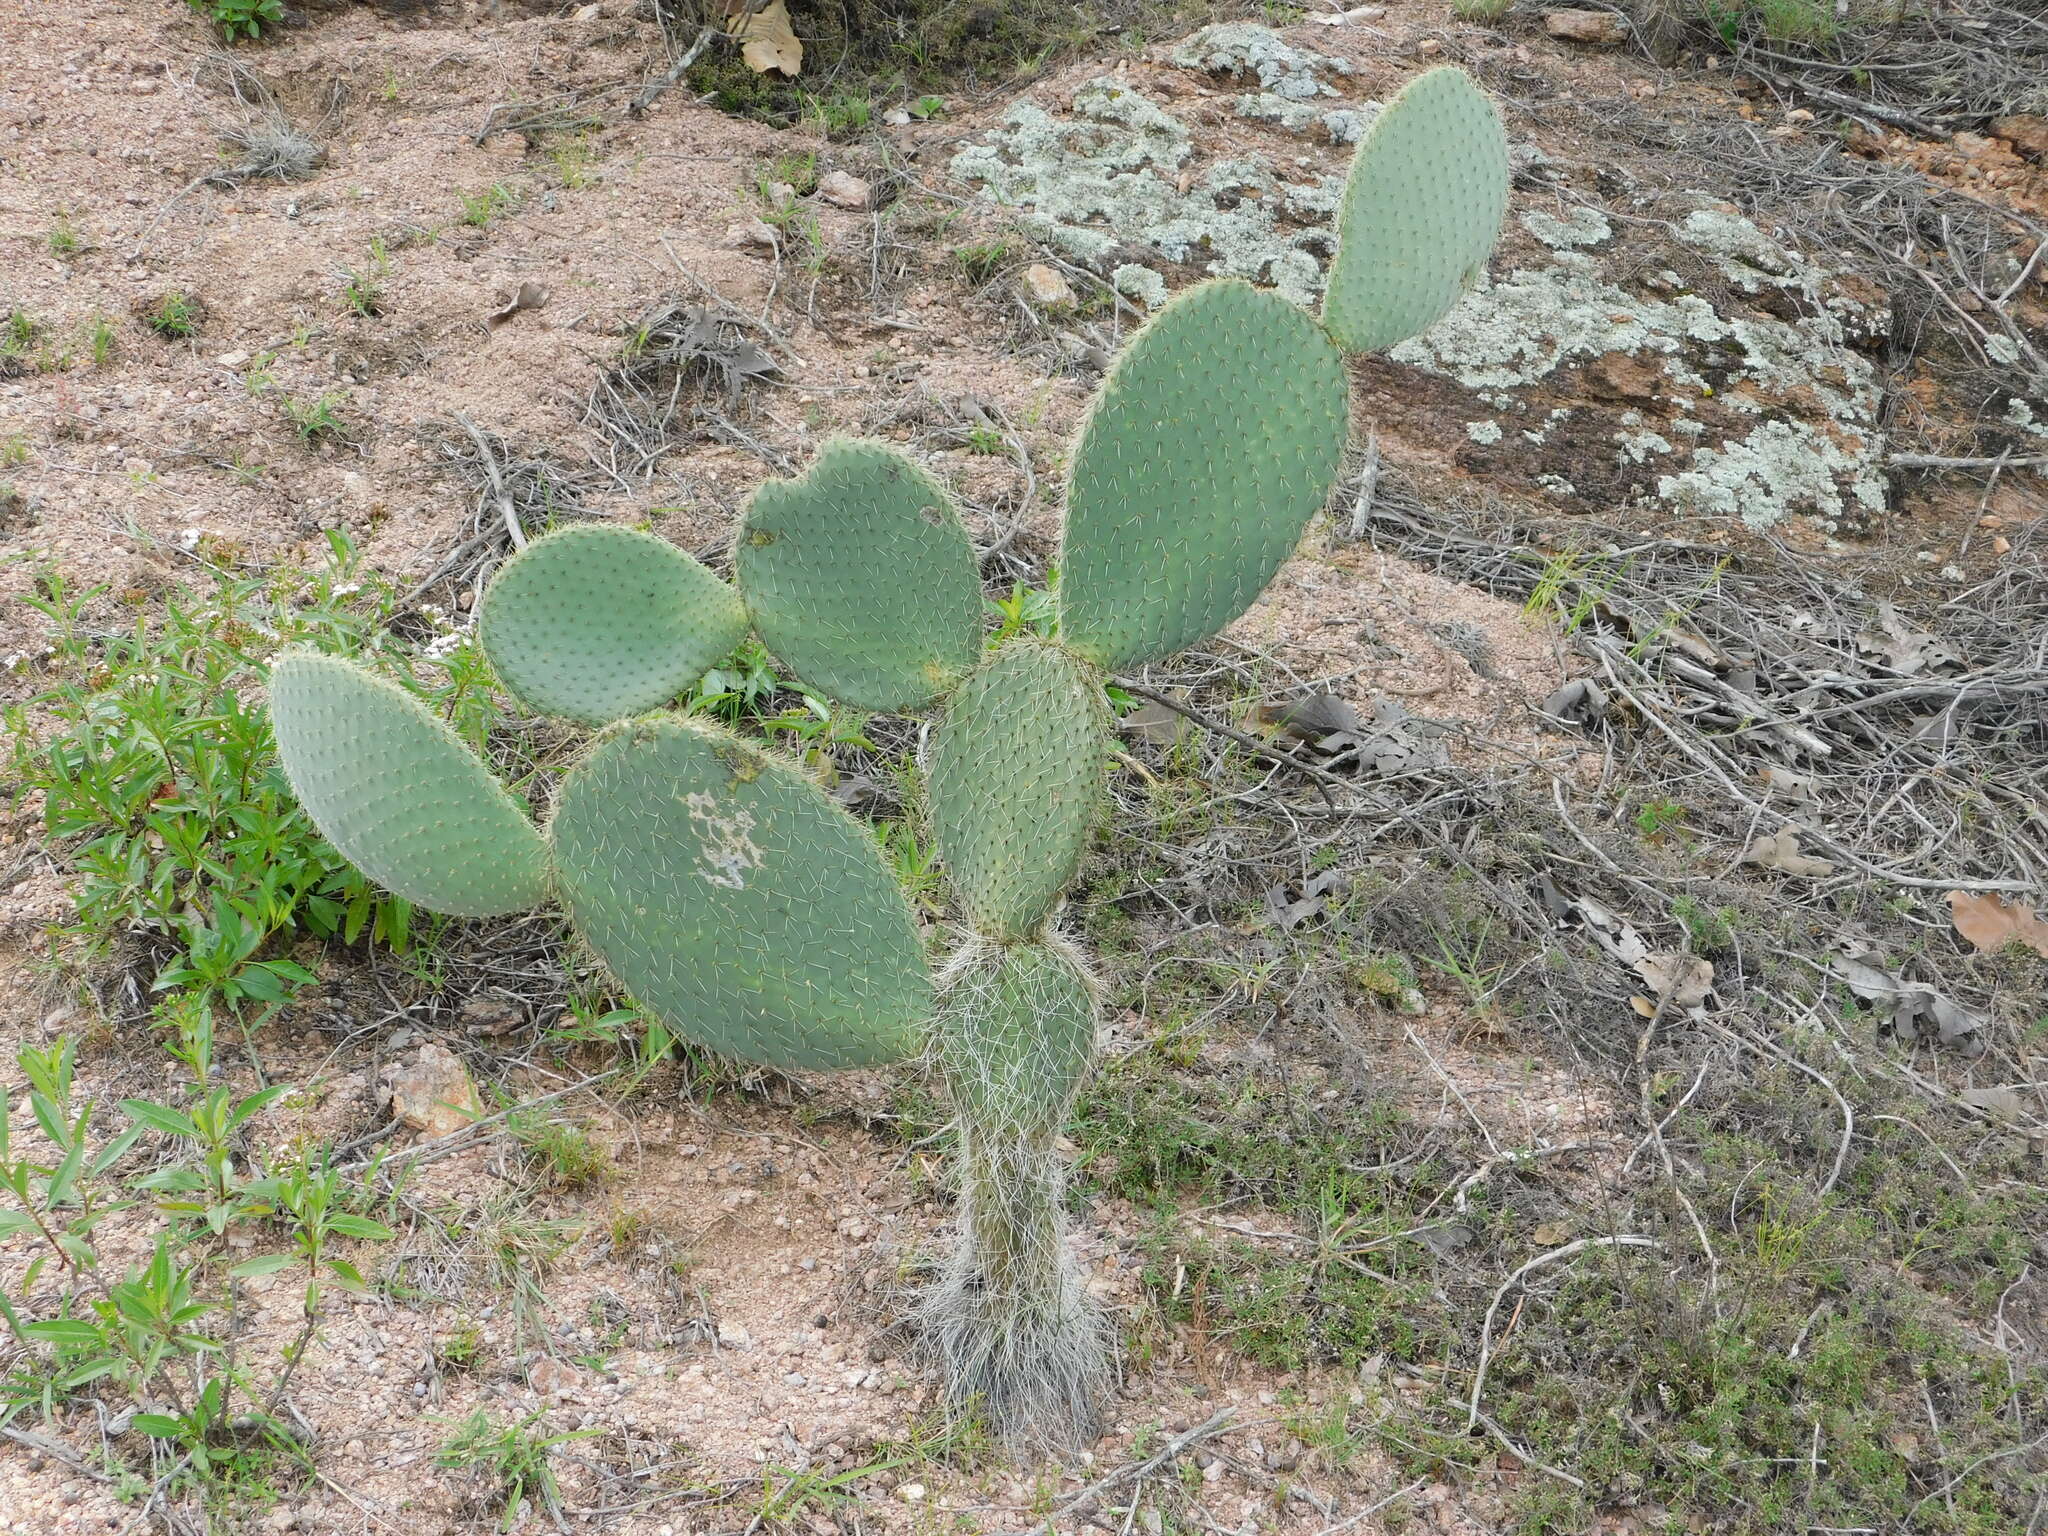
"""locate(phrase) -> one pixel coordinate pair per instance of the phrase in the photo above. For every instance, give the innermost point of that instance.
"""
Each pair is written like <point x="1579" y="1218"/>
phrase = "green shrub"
<point x="161" y="789"/>
<point x="240" y="18"/>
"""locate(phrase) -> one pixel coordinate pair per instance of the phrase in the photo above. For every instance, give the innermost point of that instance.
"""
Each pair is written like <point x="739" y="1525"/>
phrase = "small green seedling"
<point x="315" y="419"/>
<point x="480" y="208"/>
<point x="240" y="18"/>
<point x="175" y="316"/>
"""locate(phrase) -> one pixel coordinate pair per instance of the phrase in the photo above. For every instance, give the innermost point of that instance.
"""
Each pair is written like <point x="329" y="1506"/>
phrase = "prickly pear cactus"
<point x="1213" y="441"/>
<point x="1420" y="212"/>
<point x="399" y="793"/>
<point x="595" y="624"/>
<point x="860" y="578"/>
<point x="1009" y="1319"/>
<point x="1014" y="783"/>
<point x="731" y="895"/>
<point x="722" y="887"/>
<point x="1215" y="438"/>
<point x="741" y="904"/>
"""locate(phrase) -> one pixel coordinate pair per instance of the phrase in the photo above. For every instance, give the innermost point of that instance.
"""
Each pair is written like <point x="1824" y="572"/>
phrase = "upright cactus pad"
<point x="860" y="578"/>
<point x="1015" y="1034"/>
<point x="1216" y="437"/>
<point x="735" y="900"/>
<point x="390" y="785"/>
<point x="595" y="624"/>
<point x="1420" y="213"/>
<point x="1015" y="784"/>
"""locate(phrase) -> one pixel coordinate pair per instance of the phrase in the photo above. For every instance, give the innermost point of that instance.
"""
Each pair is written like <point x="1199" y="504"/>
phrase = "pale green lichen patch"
<point x="1578" y="227"/>
<point x="1344" y="125"/>
<point x="1117" y="169"/>
<point x="2020" y="414"/>
<point x="1291" y="85"/>
<point x="1246" y="48"/>
<point x="1109" y="173"/>
<point x="1753" y="402"/>
<point x="1740" y="413"/>
<point x="1140" y="283"/>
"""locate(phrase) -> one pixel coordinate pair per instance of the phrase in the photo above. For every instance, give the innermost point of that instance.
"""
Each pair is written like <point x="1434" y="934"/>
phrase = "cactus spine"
<point x="748" y="910"/>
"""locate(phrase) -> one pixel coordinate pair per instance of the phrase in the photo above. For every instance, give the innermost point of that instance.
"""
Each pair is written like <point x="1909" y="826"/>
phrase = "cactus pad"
<point x="595" y="624"/>
<point x="399" y="793"/>
<point x="1015" y="1034"/>
<point x="860" y="578"/>
<point x="1015" y="784"/>
<point x="736" y="901"/>
<point x="1215" y="438"/>
<point x="1421" y="211"/>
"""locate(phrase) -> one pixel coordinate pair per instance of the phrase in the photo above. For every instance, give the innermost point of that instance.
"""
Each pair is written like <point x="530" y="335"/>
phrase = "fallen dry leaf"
<point x="1909" y="1009"/>
<point x="1155" y="723"/>
<point x="529" y="296"/>
<point x="1793" y="786"/>
<point x="1780" y="850"/>
<point x="1905" y="649"/>
<point x="767" y="40"/>
<point x="1991" y="923"/>
<point x="1684" y="979"/>
<point x="2006" y="1103"/>
<point x="1315" y="715"/>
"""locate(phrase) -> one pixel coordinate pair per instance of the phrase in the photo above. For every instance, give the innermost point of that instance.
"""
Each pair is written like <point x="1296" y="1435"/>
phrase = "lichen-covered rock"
<point x="1107" y="175"/>
<point x="1607" y="375"/>
<point x="1681" y="358"/>
<point x="1246" y="48"/>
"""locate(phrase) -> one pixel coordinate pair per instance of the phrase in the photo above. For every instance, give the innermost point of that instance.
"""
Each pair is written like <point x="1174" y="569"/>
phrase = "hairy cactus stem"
<point x="1009" y="1320"/>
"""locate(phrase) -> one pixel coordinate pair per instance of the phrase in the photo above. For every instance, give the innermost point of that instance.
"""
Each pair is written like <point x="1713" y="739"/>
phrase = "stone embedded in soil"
<point x="1047" y="285"/>
<point x="430" y="1091"/>
<point x="2027" y="132"/>
<point x="842" y="189"/>
<point x="1595" y="29"/>
<point x="547" y="1376"/>
<point x="750" y="234"/>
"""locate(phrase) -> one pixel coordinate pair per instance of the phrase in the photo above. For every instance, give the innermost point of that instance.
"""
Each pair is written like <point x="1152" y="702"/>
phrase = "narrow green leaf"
<point x="359" y="1226"/>
<point x="115" y="1150"/>
<point x="257" y="1102"/>
<point x="263" y="1264"/>
<point x="346" y="1275"/>
<point x="66" y="1176"/>
<point x="159" y="1117"/>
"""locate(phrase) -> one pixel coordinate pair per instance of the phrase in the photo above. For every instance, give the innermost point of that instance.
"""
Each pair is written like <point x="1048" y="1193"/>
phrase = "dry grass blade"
<point x="682" y="362"/>
<point x="1755" y="674"/>
<point x="260" y="142"/>
<point x="1928" y="69"/>
<point x="516" y="496"/>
